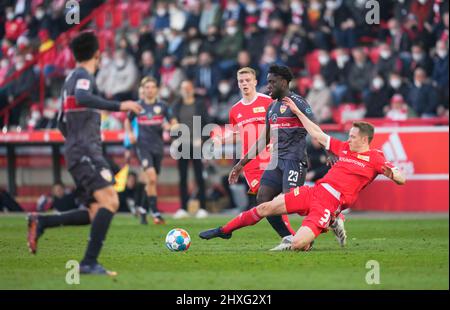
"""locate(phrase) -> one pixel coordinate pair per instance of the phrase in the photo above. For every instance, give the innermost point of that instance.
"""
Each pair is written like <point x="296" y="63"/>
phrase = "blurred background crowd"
<point x="396" y="69"/>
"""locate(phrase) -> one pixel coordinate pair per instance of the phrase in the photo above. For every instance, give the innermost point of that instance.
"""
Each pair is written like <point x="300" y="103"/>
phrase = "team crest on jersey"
<point x="362" y="157"/>
<point x="296" y="191"/>
<point x="157" y="109"/>
<point x="239" y="115"/>
<point x="254" y="183"/>
<point x="283" y="108"/>
<point x="345" y="152"/>
<point x="83" y="84"/>
<point x="259" y="110"/>
<point x="106" y="174"/>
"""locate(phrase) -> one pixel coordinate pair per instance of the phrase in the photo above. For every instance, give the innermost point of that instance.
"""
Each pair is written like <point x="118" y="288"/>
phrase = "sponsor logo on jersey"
<point x="283" y="108"/>
<point x="239" y="115"/>
<point x="259" y="110"/>
<point x="254" y="183"/>
<point x="297" y="191"/>
<point x="362" y="157"/>
<point x="106" y="174"/>
<point x="345" y="152"/>
<point x="83" y="84"/>
<point x="274" y="118"/>
<point x="157" y="109"/>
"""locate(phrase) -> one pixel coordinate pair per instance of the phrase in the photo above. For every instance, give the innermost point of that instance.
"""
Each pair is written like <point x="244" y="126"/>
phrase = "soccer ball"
<point x="178" y="240"/>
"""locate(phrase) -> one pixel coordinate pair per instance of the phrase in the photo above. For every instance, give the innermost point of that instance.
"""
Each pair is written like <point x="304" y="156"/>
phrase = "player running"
<point x="149" y="144"/>
<point x="357" y="167"/>
<point x="248" y="118"/>
<point x="80" y="125"/>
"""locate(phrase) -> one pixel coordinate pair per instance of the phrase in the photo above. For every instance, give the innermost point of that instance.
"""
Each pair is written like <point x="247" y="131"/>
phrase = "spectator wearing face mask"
<point x="225" y="99"/>
<point x="398" y="85"/>
<point x="210" y="16"/>
<point x="39" y="20"/>
<point x="419" y="58"/>
<point x="422" y="96"/>
<point x="321" y="100"/>
<point x="162" y="17"/>
<point x="148" y="66"/>
<point x="314" y="25"/>
<point x="171" y="77"/>
<point x="341" y="22"/>
<point x="440" y="74"/>
<point x="121" y="78"/>
<point x="229" y="46"/>
<point x="377" y="98"/>
<point x="399" y="40"/>
<point x="14" y="26"/>
<point x="388" y="61"/>
<point x="361" y="73"/>
<point x="328" y="67"/>
<point x="340" y="89"/>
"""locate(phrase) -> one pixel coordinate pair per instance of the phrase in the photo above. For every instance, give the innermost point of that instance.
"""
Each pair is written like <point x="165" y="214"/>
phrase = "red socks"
<point x="247" y="218"/>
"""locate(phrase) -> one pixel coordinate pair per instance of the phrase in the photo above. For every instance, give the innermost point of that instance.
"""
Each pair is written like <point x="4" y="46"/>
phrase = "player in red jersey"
<point x="248" y="118"/>
<point x="357" y="167"/>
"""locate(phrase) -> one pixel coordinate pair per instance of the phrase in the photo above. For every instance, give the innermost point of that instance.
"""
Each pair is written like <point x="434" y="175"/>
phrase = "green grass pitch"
<point x="412" y="254"/>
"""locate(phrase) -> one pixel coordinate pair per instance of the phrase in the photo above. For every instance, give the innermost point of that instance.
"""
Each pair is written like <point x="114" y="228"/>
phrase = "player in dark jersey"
<point x="288" y="165"/>
<point x="149" y="144"/>
<point x="80" y="125"/>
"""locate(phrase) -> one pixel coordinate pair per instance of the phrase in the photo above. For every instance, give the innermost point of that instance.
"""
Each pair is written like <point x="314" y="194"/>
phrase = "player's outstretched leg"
<point x="102" y="215"/>
<point x="247" y="218"/>
<point x="38" y="223"/>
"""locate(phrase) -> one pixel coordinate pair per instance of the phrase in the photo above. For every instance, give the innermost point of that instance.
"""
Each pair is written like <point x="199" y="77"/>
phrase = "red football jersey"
<point x="250" y="119"/>
<point x="353" y="171"/>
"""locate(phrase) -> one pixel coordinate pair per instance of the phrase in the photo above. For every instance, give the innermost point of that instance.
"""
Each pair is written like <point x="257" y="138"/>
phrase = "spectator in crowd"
<point x="419" y="58"/>
<point x="206" y="76"/>
<point x="229" y="46"/>
<point x="175" y="44"/>
<point x="162" y="18"/>
<point x="340" y="89"/>
<point x="440" y="75"/>
<point x="398" y="110"/>
<point x="340" y="20"/>
<point x="210" y="16"/>
<point x="360" y="73"/>
<point x="254" y="41"/>
<point x="399" y="40"/>
<point x="294" y="47"/>
<point x="422" y="96"/>
<point x="171" y="76"/>
<point x="377" y="98"/>
<point x="328" y="67"/>
<point x="119" y="80"/>
<point x="189" y="144"/>
<point x="398" y="85"/>
<point x="148" y="66"/>
<point x="321" y="100"/>
<point x="388" y="61"/>
<point x="268" y="58"/>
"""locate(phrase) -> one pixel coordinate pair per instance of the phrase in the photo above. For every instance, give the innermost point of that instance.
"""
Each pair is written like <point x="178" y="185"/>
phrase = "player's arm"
<point x="128" y="130"/>
<point x="394" y="174"/>
<point x="83" y="95"/>
<point x="256" y="148"/>
<point x="313" y="129"/>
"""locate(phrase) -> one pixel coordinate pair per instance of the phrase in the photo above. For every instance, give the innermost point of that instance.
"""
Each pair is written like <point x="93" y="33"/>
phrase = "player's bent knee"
<point x="299" y="244"/>
<point x="264" y="209"/>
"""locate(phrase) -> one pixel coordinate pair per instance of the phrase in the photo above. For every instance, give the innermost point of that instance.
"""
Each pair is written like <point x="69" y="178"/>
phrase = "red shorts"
<point x="253" y="178"/>
<point x="316" y="203"/>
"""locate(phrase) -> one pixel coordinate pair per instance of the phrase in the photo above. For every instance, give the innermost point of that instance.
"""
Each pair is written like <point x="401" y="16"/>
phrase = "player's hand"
<point x="331" y="159"/>
<point x="291" y="105"/>
<point x="132" y="138"/>
<point x="131" y="106"/>
<point x="234" y="174"/>
<point x="388" y="172"/>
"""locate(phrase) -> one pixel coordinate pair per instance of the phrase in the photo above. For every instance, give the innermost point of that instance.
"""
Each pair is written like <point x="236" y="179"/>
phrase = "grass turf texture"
<point x="413" y="254"/>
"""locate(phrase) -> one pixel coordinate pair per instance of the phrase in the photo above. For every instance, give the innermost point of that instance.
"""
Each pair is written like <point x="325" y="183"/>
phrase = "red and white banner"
<point x="423" y="154"/>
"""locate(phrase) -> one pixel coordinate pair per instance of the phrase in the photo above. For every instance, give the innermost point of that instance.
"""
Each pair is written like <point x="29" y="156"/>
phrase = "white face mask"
<point x="385" y="54"/>
<point x="324" y="59"/>
<point x="40" y="14"/>
<point x="35" y="115"/>
<point x="377" y="83"/>
<point x="120" y="62"/>
<point x="10" y="16"/>
<point x="316" y="6"/>
<point x="251" y="8"/>
<point x="319" y="84"/>
<point x="395" y="83"/>
<point x="332" y="5"/>
<point x="20" y="65"/>
<point x="422" y="2"/>
<point x="161" y="12"/>
<point x="417" y="57"/>
<point x="159" y="39"/>
<point x="342" y="60"/>
<point x="231" y="30"/>
<point x="418" y="84"/>
<point x="442" y="53"/>
<point x="224" y="88"/>
<point x="164" y="92"/>
<point x="295" y="6"/>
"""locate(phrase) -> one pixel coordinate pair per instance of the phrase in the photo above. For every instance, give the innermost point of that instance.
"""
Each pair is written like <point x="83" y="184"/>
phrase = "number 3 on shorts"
<point x="326" y="217"/>
<point x="293" y="176"/>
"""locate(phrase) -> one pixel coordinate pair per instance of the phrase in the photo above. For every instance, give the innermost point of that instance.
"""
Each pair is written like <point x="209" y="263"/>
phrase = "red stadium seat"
<point x="303" y="85"/>
<point x="374" y="54"/>
<point x="312" y="63"/>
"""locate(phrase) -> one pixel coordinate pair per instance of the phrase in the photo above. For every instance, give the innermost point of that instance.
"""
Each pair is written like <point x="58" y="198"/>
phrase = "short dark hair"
<point x="84" y="46"/>
<point x="282" y="71"/>
<point x="365" y="129"/>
